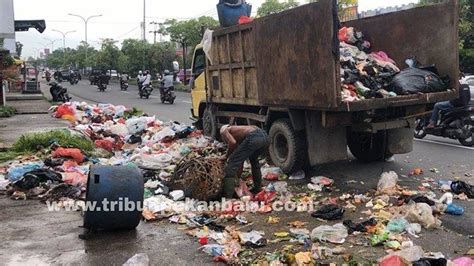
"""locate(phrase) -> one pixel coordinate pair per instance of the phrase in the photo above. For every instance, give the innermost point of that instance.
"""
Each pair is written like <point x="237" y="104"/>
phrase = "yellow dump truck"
<point x="282" y="72"/>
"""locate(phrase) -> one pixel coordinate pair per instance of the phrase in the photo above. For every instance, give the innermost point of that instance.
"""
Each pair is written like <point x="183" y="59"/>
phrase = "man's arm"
<point x="231" y="142"/>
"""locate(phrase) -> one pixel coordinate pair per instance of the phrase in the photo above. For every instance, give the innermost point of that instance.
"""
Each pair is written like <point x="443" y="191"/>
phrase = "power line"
<point x="128" y="32"/>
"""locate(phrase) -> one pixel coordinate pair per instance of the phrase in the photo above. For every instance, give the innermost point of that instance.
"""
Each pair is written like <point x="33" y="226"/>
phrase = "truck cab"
<point x="198" y="82"/>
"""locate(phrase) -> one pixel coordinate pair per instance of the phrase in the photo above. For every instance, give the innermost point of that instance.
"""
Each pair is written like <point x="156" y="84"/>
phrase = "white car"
<point x="112" y="73"/>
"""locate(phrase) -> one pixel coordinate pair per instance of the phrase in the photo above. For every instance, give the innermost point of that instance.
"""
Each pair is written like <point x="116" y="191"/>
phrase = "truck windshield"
<point x="199" y="62"/>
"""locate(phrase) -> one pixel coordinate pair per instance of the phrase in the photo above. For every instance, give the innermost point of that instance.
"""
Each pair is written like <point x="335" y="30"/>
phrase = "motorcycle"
<point x="101" y="86"/>
<point x="167" y="95"/>
<point x="123" y="85"/>
<point x="457" y="123"/>
<point x="73" y="80"/>
<point x="59" y="93"/>
<point x="145" y="91"/>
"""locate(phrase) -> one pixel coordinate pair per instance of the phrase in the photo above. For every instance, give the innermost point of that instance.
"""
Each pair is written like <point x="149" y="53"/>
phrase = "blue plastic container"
<point x="229" y="15"/>
<point x="120" y="184"/>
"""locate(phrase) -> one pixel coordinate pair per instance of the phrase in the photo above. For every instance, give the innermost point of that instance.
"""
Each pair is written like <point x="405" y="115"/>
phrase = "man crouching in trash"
<point x="244" y="142"/>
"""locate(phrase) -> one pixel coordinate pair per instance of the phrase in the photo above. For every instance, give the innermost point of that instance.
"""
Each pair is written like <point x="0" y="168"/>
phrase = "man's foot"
<point x="430" y="126"/>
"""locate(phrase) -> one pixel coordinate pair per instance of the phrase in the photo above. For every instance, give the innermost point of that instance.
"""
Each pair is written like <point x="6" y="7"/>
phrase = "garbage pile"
<point x="121" y="136"/>
<point x="282" y="224"/>
<point x="389" y="219"/>
<point x="366" y="74"/>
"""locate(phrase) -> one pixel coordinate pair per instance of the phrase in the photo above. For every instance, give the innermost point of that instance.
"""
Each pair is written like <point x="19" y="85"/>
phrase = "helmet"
<point x="140" y="72"/>
<point x="167" y="72"/>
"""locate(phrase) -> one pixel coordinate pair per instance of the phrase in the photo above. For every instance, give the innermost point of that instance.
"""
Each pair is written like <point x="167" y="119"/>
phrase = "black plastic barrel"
<point x="116" y="195"/>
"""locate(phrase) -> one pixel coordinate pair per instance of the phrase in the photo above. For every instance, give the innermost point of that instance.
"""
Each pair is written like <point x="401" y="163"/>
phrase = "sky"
<point x="120" y="18"/>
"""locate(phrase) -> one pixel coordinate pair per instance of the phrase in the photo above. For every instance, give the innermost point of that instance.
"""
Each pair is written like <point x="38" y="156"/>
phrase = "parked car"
<point x="112" y="73"/>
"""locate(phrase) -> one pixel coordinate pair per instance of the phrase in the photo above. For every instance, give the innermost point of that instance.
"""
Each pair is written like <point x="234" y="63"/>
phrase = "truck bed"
<point x="291" y="59"/>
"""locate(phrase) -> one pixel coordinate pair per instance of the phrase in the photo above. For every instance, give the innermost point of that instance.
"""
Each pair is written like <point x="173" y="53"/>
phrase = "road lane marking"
<point x="445" y="144"/>
<point x="187" y="102"/>
<point x="126" y="92"/>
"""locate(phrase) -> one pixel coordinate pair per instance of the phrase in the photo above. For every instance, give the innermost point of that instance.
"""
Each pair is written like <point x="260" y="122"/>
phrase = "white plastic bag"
<point x="325" y="233"/>
<point x="207" y="44"/>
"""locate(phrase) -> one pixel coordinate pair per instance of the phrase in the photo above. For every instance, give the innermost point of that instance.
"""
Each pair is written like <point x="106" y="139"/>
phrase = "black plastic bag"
<point x="359" y="227"/>
<point x="431" y="262"/>
<point x="329" y="212"/>
<point x="415" y="80"/>
<point x="458" y="187"/>
<point x="36" y="177"/>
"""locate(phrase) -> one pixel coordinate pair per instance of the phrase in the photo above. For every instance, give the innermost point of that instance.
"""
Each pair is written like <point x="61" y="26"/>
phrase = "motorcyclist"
<point x="146" y="79"/>
<point x="124" y="78"/>
<point x="55" y="90"/>
<point x="168" y="82"/>
<point x="140" y="80"/>
<point x="463" y="100"/>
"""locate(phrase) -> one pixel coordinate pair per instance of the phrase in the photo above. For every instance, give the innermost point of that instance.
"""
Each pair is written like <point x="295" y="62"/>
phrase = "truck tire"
<point x="209" y="122"/>
<point x="368" y="147"/>
<point x="287" y="149"/>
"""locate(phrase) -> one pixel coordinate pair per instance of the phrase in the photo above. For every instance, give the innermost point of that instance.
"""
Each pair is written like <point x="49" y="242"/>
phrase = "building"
<point x="7" y="25"/>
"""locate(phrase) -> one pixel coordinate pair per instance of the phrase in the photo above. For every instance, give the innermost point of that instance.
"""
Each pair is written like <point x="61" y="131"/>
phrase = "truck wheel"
<point x="209" y="122"/>
<point x="367" y="147"/>
<point x="287" y="149"/>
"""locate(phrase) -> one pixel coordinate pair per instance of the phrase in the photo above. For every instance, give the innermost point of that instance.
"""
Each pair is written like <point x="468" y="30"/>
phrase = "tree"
<point x="19" y="48"/>
<point x="108" y="56"/>
<point x="466" y="32"/>
<point x="343" y="6"/>
<point x="275" y="6"/>
<point x="188" y="31"/>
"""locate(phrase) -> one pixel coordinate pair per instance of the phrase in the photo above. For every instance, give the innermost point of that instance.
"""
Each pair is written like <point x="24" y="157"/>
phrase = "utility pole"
<point x="155" y="31"/>
<point x="183" y="43"/>
<point x="144" y="20"/>
<point x="64" y="42"/>
<point x="86" y="20"/>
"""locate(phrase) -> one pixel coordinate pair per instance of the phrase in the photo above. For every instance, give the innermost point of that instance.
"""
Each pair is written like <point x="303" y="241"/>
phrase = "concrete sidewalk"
<point x="32" y="116"/>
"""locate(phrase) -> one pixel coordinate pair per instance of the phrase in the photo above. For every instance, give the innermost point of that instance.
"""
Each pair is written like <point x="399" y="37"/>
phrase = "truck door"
<point x="198" y="86"/>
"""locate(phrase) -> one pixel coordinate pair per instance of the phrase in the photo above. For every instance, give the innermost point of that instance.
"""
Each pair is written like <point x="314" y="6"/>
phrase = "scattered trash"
<point x="458" y="187"/>
<point x="393" y="260"/>
<point x="397" y="225"/>
<point x="387" y="183"/>
<point x="303" y="258"/>
<point x="298" y="175"/>
<point x="434" y="170"/>
<point x="416" y="171"/>
<point x="329" y="212"/>
<point x="454" y="209"/>
<point x="177" y="195"/>
<point x="140" y="259"/>
<point x="379" y="239"/>
<point x="418" y="199"/>
<point x="253" y="239"/>
<point x="359" y="227"/>
<point x="430" y="262"/>
<point x="463" y="261"/>
<point x="334" y="234"/>
<point x="423" y="214"/>
<point x="410" y="254"/>
<point x="16" y="172"/>
<point x="273" y="220"/>
<point x="413" y="229"/>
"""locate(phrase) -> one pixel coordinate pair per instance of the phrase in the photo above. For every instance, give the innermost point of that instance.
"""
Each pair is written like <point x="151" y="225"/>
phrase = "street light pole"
<point x="52" y="43"/>
<point x="144" y="25"/>
<point x="64" y="42"/>
<point x="86" y="20"/>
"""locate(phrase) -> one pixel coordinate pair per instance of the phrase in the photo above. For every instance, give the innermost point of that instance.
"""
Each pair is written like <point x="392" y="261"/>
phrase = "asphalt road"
<point x="32" y="235"/>
<point x="179" y="111"/>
